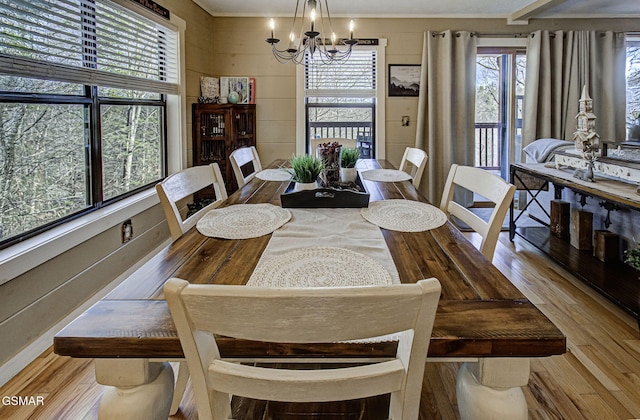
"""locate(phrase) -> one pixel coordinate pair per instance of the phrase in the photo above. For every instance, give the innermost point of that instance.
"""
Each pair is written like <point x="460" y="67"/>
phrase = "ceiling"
<point x="515" y="11"/>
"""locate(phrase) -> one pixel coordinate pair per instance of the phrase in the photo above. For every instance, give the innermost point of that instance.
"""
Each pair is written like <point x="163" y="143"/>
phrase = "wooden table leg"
<point x="137" y="389"/>
<point x="490" y="389"/>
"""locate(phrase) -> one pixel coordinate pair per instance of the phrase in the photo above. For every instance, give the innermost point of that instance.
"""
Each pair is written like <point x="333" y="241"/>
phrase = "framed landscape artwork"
<point x="404" y="79"/>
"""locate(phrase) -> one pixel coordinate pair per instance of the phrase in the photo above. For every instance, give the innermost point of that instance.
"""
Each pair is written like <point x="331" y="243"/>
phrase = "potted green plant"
<point x="305" y="170"/>
<point x="632" y="257"/>
<point x="348" y="161"/>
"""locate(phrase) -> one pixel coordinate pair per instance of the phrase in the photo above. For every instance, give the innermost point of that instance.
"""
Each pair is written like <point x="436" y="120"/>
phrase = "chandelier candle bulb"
<point x="351" y="27"/>
<point x="313" y="18"/>
<point x="272" y="40"/>
<point x="292" y="43"/>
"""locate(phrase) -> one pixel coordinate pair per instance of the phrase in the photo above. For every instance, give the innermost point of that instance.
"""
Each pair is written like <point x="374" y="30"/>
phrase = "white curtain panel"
<point x="446" y="106"/>
<point x="559" y="64"/>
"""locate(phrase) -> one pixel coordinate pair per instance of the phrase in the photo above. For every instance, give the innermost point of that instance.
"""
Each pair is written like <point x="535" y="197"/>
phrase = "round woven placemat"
<point x="385" y="175"/>
<point x="243" y="221"/>
<point x="274" y="175"/>
<point x="404" y="215"/>
<point x="320" y="267"/>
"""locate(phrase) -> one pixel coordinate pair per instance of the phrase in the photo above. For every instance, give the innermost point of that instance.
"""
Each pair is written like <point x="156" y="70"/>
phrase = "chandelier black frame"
<point x="310" y="41"/>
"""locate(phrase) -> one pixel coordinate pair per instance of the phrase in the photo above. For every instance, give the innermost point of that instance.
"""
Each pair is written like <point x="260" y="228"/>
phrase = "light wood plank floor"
<point x="598" y="377"/>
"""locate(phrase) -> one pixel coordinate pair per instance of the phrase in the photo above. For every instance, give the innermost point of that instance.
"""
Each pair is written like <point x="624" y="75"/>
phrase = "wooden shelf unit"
<point x="218" y="130"/>
<point x="615" y="280"/>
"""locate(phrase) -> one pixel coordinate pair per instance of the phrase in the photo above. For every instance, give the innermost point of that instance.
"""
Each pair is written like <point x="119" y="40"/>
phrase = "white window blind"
<point x="94" y="42"/>
<point x="356" y="77"/>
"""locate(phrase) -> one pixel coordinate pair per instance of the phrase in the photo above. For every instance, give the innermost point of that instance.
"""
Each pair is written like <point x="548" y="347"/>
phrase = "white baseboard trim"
<point x="21" y="360"/>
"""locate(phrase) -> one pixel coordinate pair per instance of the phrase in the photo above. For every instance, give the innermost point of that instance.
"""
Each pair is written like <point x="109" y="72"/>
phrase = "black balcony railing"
<point x="344" y="130"/>
<point x="359" y="131"/>
<point x="487" y="135"/>
<point x="488" y="138"/>
<point x="488" y="144"/>
<point x="362" y="131"/>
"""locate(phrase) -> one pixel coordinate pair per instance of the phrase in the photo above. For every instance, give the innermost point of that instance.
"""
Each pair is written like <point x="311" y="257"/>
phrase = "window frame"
<point x="379" y="116"/>
<point x="28" y="254"/>
<point x="99" y="102"/>
<point x="93" y="103"/>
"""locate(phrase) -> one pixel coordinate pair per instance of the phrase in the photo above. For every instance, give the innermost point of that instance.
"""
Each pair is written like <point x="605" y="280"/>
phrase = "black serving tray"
<point x="339" y="197"/>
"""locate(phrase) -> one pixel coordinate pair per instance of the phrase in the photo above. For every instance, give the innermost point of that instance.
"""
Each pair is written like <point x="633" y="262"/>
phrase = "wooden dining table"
<point x="482" y="319"/>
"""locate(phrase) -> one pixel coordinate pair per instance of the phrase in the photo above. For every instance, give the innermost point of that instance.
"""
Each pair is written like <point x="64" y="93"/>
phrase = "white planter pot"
<point x="302" y="186"/>
<point x="348" y="174"/>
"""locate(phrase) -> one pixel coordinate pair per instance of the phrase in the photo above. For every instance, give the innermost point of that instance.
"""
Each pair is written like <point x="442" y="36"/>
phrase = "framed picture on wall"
<point x="404" y="79"/>
<point x="240" y="85"/>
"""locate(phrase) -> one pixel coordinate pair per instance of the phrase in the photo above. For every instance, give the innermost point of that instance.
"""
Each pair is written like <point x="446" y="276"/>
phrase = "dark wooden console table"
<point x="616" y="280"/>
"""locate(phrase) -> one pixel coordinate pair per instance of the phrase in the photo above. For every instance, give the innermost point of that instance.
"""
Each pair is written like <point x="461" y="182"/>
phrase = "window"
<point x="633" y="87"/>
<point x="500" y="77"/>
<point x="83" y="89"/>
<point x="340" y="99"/>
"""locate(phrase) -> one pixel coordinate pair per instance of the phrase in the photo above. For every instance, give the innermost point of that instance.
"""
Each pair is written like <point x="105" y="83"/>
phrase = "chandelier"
<point x="311" y="42"/>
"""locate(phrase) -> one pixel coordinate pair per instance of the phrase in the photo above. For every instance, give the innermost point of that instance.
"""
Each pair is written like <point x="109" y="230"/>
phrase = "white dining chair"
<point x="171" y="191"/>
<point x="201" y="313"/>
<point x="183" y="184"/>
<point x="413" y="162"/>
<point x="240" y="160"/>
<point x="489" y="186"/>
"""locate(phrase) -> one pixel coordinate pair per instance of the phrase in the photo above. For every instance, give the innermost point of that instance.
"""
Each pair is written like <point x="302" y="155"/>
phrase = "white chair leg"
<point x="181" y="385"/>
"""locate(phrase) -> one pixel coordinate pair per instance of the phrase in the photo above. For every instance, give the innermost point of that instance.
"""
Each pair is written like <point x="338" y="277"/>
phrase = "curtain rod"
<point x="457" y="33"/>
<point x="516" y="35"/>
